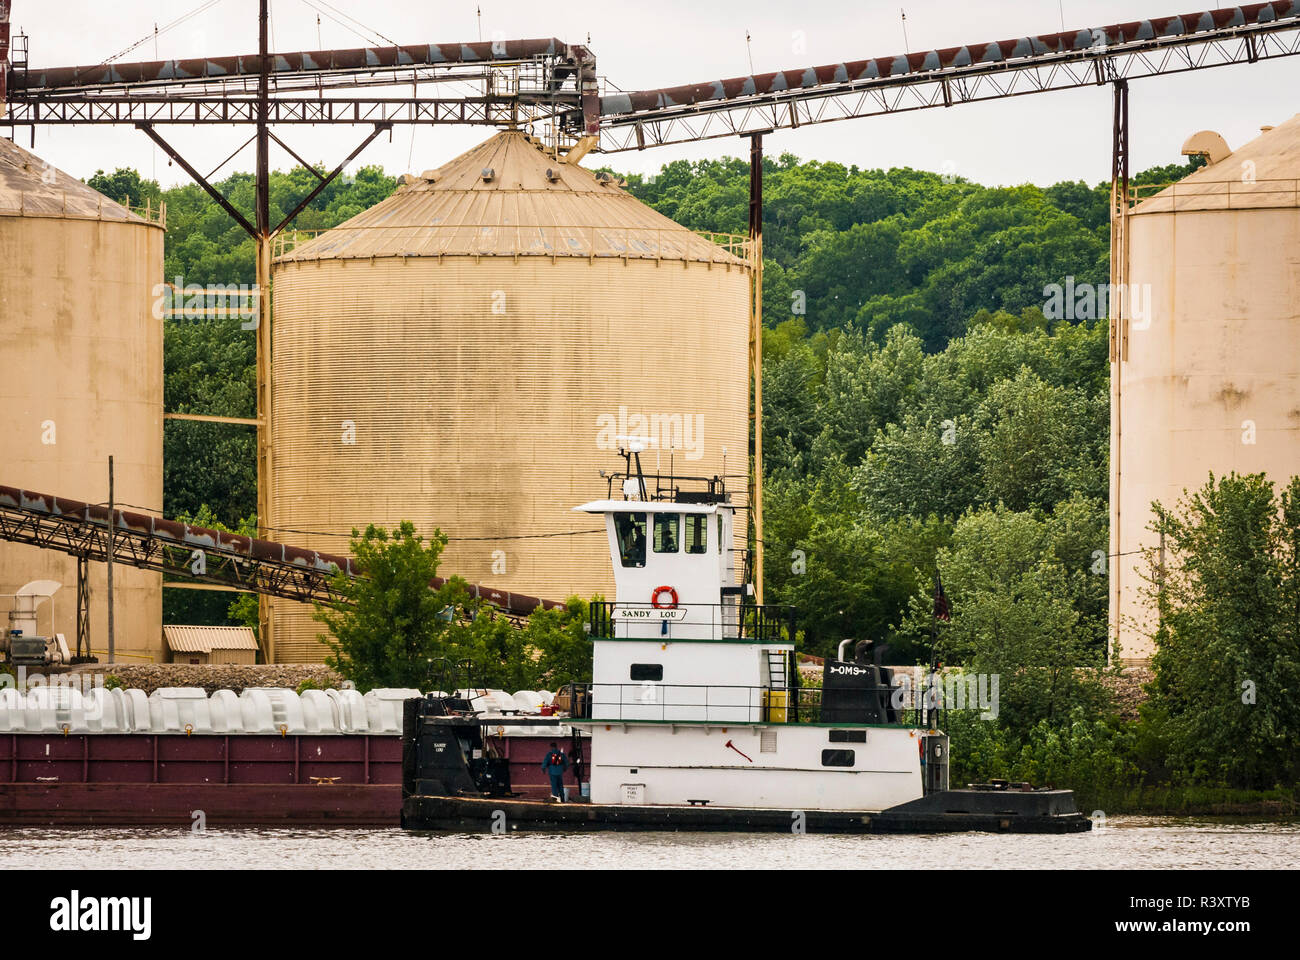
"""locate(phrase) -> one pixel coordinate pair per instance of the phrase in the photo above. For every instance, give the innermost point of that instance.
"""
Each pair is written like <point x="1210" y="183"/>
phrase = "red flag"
<point x="941" y="609"/>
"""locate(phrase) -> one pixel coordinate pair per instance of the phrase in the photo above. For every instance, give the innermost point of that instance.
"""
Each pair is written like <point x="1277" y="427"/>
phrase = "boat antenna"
<point x="631" y="450"/>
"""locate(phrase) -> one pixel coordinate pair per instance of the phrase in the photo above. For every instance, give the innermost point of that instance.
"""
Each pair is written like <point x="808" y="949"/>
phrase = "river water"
<point x="1118" y="843"/>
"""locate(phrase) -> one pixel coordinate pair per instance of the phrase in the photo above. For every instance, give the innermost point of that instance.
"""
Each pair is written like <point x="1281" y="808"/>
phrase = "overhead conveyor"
<point x="196" y="554"/>
<point x="1090" y="56"/>
<point x="546" y="81"/>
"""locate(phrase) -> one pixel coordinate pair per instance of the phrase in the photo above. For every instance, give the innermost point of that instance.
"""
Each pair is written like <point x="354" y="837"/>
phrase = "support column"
<point x="265" y="434"/>
<point x="112" y="532"/>
<point x="83" y="611"/>
<point x="1118" y="350"/>
<point x="756" y="352"/>
<point x="263" y="236"/>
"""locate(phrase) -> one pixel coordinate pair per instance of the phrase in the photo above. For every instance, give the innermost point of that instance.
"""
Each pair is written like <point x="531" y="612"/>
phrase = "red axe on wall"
<point x="732" y="746"/>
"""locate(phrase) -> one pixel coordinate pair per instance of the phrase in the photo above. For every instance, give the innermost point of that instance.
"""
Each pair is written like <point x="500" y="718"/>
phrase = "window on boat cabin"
<point x="629" y="529"/>
<point x="848" y="736"/>
<point x="668" y="528"/>
<point x="837" y="758"/>
<point x="697" y="533"/>
<point x="647" y="671"/>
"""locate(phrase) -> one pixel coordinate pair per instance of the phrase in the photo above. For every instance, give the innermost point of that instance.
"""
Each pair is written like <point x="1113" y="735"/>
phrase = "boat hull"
<point x="199" y="805"/>
<point x="949" y="812"/>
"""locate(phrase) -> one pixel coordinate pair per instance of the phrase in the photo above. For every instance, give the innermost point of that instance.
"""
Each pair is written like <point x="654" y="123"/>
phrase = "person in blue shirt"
<point x="555" y="763"/>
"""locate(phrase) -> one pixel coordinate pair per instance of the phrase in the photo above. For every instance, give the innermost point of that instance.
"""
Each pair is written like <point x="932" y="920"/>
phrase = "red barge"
<point x="57" y="769"/>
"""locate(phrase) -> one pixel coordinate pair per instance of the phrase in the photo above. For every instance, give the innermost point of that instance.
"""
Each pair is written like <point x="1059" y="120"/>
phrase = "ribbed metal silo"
<point x="462" y="354"/>
<point x="1205" y="372"/>
<point x="82" y="359"/>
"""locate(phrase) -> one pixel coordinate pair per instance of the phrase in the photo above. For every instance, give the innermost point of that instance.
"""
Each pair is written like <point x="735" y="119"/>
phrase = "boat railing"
<point x="736" y="622"/>
<point x="709" y="703"/>
<point x="671" y="487"/>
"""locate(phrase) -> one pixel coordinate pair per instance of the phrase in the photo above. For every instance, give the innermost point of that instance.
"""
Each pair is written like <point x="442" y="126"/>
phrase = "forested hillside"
<point x="873" y="248"/>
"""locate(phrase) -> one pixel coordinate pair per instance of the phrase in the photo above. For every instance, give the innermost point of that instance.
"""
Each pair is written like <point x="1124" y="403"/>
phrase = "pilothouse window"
<point x="629" y="528"/>
<point x="697" y="533"/>
<point x="668" y="532"/>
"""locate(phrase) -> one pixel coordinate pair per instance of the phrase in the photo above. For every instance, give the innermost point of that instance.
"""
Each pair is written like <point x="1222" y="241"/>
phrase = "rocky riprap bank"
<point x="1127" y="688"/>
<point x="151" y="676"/>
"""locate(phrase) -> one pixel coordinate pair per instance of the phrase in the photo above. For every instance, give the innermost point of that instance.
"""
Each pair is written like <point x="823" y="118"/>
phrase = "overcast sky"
<point x="1039" y="139"/>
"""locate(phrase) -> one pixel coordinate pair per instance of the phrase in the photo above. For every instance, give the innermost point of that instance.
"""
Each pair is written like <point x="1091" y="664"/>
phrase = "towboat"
<point x="696" y="717"/>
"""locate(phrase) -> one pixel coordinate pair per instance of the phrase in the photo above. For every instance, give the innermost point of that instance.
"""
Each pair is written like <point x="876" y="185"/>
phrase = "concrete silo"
<point x="462" y="355"/>
<point x="82" y="359"/>
<point x="1205" y="372"/>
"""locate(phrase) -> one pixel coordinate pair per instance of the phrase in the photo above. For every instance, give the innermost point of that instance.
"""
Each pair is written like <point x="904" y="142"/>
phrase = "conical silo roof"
<point x="1262" y="173"/>
<point x="32" y="187"/>
<point x="509" y="197"/>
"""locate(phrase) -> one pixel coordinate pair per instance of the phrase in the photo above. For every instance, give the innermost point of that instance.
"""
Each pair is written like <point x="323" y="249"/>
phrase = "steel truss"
<point x="88" y="540"/>
<point x="505" y="82"/>
<point x="943" y="88"/>
<point x="209" y="110"/>
<point x="84" y="534"/>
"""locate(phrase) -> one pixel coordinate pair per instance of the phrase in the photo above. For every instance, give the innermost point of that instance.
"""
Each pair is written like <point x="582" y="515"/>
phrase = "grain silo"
<point x="82" y="359"/>
<point x="462" y="355"/>
<point x="1205" y="373"/>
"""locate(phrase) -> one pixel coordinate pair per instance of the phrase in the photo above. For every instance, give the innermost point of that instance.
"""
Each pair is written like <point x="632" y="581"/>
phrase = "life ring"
<point x="654" y="598"/>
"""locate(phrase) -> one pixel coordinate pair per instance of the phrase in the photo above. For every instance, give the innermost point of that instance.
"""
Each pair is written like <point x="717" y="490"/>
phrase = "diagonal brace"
<point x="329" y="177"/>
<point x="198" y="178"/>
<point x="310" y="168"/>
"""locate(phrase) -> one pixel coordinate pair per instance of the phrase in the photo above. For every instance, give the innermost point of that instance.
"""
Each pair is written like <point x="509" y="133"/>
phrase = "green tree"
<point x="1039" y="442"/>
<point x="388" y="627"/>
<point x="1015" y="615"/>
<point x="868" y="386"/>
<point x="127" y="187"/>
<point x="847" y="576"/>
<point x="1170" y="173"/>
<point x="1226" y="694"/>
<point x="559" y="642"/>
<point x="921" y="467"/>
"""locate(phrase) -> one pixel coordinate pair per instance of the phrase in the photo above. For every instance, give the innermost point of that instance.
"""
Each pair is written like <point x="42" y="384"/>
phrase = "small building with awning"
<point x="200" y="644"/>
